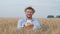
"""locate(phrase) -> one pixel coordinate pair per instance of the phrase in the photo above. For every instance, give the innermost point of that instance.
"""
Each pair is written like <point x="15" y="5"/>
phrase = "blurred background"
<point x="45" y="10"/>
<point x="15" y="8"/>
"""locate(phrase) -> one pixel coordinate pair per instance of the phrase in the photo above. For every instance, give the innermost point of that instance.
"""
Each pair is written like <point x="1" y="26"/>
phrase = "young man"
<point x="28" y="22"/>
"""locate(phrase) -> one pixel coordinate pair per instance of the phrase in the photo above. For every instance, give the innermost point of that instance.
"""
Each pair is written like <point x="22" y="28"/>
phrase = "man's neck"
<point x="29" y="18"/>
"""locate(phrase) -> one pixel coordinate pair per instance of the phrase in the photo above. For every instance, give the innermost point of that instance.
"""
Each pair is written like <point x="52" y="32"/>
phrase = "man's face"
<point x="29" y="13"/>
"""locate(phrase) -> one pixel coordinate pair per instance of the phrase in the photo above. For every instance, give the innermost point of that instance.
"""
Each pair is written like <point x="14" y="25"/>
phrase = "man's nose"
<point x="29" y="13"/>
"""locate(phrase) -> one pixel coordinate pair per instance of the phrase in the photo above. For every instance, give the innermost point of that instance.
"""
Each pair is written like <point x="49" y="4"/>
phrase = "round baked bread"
<point x="28" y="25"/>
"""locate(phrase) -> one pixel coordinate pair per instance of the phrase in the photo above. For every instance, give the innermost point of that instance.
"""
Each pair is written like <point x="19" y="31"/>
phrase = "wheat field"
<point x="48" y="26"/>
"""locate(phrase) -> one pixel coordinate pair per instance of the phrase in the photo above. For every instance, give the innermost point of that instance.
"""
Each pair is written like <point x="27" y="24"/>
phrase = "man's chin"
<point x="29" y="17"/>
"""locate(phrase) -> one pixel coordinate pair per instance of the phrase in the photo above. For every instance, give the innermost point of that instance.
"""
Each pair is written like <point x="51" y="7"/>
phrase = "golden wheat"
<point x="48" y="26"/>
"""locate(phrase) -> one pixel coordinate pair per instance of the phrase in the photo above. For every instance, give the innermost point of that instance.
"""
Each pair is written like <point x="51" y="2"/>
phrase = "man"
<point x="28" y="22"/>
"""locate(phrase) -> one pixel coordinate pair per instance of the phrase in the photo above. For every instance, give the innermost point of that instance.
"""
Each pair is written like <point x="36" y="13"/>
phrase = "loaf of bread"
<point x="28" y="25"/>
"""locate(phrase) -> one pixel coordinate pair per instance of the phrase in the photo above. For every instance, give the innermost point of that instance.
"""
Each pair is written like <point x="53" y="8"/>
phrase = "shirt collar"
<point x="26" y="19"/>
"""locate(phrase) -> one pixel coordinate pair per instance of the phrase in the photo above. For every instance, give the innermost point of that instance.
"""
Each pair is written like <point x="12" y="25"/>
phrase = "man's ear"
<point x="25" y="12"/>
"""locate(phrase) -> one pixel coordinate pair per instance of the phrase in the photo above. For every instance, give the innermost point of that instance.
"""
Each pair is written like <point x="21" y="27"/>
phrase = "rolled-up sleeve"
<point x="19" y="25"/>
<point x="37" y="25"/>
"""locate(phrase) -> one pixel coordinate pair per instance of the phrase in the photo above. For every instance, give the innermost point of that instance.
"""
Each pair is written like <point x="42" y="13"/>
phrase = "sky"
<point x="43" y="8"/>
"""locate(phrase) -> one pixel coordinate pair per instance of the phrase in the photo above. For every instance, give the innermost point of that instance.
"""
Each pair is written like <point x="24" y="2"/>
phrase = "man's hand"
<point x="28" y="26"/>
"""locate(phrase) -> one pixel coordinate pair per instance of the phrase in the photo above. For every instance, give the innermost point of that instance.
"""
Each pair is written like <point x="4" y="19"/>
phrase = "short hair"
<point x="30" y="9"/>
